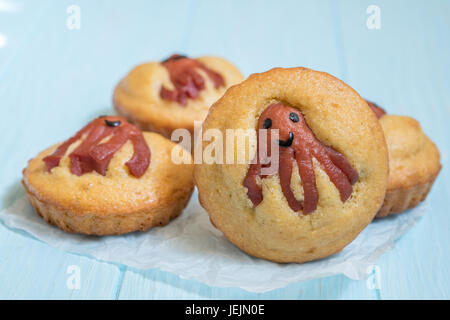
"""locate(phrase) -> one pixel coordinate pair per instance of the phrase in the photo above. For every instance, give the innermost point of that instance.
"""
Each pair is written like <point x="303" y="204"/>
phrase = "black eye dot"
<point x="267" y="123"/>
<point x="294" y="117"/>
<point x="112" y="123"/>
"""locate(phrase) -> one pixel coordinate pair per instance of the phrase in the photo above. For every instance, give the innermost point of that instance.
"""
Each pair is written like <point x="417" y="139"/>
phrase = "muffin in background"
<point x="414" y="164"/>
<point x="172" y="94"/>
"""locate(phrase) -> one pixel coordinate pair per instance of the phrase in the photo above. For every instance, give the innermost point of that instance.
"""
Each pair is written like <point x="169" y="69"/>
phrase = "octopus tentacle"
<point x="285" y="174"/>
<point x="340" y="161"/>
<point x="198" y="80"/>
<point x="254" y="190"/>
<point x="140" y="160"/>
<point x="306" y="171"/>
<point x="337" y="176"/>
<point x="80" y="159"/>
<point x="103" y="153"/>
<point x="54" y="159"/>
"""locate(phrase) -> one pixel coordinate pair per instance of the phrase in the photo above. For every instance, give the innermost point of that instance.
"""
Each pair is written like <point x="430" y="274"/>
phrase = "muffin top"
<point x="108" y="168"/>
<point x="413" y="157"/>
<point x="175" y="92"/>
<point x="339" y="145"/>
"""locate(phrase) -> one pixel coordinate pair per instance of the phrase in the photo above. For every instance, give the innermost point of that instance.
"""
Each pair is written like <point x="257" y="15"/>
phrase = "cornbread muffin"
<point x="164" y="96"/>
<point x="332" y="173"/>
<point x="414" y="164"/>
<point x="109" y="178"/>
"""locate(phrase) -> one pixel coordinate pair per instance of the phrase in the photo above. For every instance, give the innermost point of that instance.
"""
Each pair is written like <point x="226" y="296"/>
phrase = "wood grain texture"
<point x="53" y="80"/>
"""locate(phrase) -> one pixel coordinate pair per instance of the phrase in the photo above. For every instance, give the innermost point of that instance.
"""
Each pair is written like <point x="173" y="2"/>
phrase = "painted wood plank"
<point x="30" y="269"/>
<point x="259" y="37"/>
<point x="155" y="284"/>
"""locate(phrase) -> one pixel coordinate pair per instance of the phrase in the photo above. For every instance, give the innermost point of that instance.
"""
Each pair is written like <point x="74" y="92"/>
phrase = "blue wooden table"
<point x="54" y="77"/>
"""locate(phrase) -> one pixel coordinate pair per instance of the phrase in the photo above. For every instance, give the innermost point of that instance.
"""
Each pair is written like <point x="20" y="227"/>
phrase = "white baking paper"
<point x="192" y="248"/>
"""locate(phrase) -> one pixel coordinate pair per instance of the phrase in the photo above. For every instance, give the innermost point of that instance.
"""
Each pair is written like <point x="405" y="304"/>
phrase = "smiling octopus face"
<point x="298" y="143"/>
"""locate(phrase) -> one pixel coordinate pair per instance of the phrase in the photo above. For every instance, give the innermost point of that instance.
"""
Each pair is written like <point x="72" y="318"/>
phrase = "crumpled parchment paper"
<point x="192" y="248"/>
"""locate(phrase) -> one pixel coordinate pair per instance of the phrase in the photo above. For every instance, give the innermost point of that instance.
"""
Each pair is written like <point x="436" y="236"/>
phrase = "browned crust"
<point x="111" y="224"/>
<point x="400" y="199"/>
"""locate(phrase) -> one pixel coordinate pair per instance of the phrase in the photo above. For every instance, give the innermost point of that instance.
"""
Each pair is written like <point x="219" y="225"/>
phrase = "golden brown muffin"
<point x="414" y="164"/>
<point x="333" y="166"/>
<point x="110" y="178"/>
<point x="164" y="96"/>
